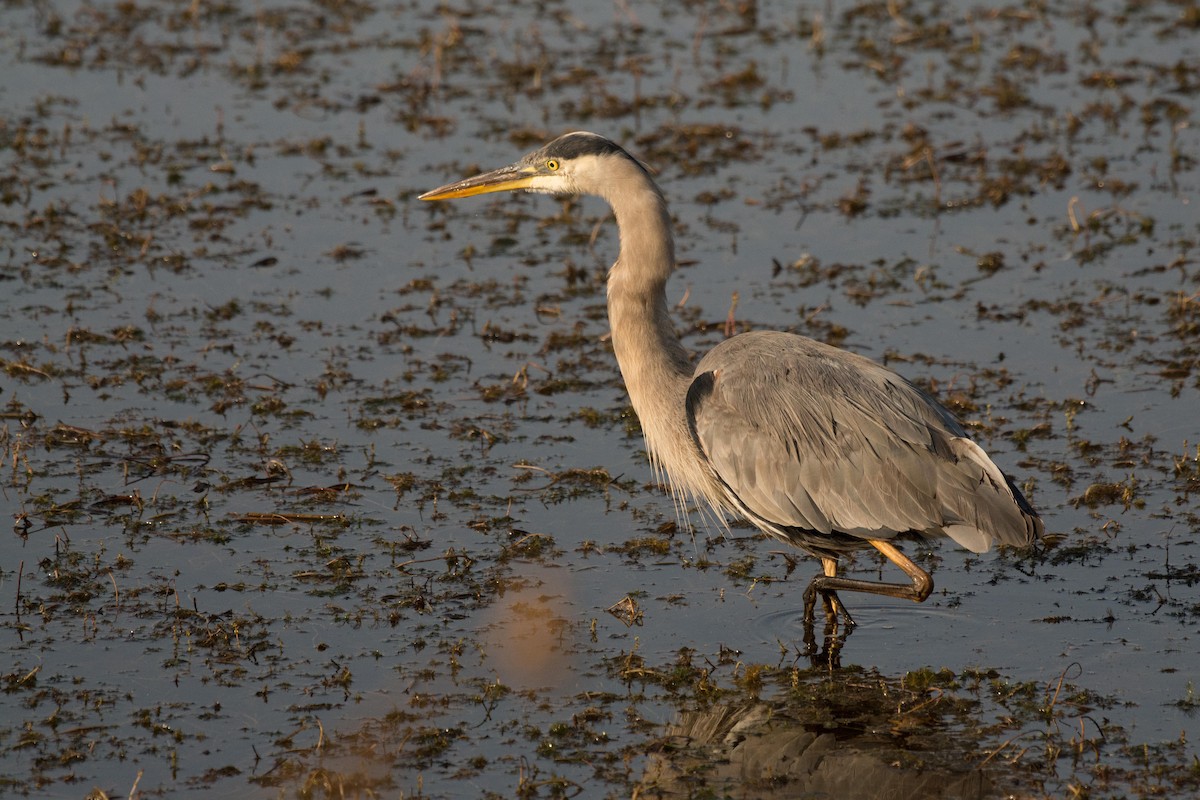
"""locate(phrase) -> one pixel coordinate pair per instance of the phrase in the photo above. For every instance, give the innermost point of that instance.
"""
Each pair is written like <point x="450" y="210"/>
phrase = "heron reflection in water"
<point x="818" y="447"/>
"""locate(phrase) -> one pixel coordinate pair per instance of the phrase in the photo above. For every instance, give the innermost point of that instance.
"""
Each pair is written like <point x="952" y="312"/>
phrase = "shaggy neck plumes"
<point x="653" y="362"/>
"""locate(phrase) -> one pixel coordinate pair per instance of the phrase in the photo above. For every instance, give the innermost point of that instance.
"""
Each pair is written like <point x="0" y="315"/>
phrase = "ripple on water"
<point x="893" y="636"/>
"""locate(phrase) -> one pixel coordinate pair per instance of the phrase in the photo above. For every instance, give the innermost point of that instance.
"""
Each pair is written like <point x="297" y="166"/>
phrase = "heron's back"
<point x="827" y="449"/>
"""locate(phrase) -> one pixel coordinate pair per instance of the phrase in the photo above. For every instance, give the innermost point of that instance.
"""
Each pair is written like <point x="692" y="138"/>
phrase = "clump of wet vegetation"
<point x="319" y="492"/>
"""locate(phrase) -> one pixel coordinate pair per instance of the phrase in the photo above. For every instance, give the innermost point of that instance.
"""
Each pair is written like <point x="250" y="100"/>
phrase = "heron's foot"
<point x="833" y="604"/>
<point x="838" y="625"/>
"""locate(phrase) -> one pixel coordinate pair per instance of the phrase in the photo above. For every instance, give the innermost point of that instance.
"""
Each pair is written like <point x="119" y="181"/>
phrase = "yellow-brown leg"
<point x="922" y="584"/>
<point x="829" y="583"/>
<point x="828" y="655"/>
<point x="829" y="566"/>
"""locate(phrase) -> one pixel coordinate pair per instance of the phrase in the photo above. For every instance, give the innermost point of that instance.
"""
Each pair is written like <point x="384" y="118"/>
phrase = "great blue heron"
<point x="818" y="447"/>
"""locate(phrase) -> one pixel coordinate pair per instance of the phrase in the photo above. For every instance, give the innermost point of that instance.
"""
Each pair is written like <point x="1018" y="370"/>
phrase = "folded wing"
<point x="808" y="437"/>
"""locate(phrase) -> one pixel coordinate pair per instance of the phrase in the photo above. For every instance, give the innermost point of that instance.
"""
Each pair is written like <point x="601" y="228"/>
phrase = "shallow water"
<point x="318" y="488"/>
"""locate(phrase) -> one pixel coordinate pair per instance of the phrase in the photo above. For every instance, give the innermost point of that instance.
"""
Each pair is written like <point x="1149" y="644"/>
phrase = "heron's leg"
<point x="829" y="655"/>
<point x="917" y="591"/>
<point x="829" y="567"/>
<point x="922" y="584"/>
<point x="833" y="605"/>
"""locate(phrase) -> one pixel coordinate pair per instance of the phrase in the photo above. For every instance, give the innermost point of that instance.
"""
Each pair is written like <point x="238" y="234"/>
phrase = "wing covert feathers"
<point x="805" y="436"/>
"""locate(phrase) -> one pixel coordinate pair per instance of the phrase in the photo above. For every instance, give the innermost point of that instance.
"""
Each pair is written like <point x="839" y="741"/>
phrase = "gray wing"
<point x="809" y="437"/>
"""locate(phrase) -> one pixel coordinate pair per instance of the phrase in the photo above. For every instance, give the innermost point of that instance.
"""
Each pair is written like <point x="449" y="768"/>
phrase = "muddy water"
<point x="319" y="489"/>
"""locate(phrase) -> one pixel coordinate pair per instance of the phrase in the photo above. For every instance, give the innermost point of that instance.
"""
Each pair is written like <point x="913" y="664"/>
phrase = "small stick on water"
<point x="20" y="573"/>
<point x="116" y="591"/>
<point x="136" y="781"/>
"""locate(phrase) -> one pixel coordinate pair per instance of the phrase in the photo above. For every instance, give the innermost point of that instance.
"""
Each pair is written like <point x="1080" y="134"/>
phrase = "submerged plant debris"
<point x="318" y="491"/>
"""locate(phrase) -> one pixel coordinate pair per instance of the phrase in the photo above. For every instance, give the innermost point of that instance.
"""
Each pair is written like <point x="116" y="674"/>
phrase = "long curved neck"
<point x="653" y="362"/>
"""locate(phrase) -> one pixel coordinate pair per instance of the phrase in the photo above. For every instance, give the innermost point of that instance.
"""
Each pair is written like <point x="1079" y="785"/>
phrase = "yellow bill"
<point x="505" y="179"/>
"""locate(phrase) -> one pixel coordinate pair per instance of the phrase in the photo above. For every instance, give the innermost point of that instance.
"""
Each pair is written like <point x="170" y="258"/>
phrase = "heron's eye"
<point x="552" y="165"/>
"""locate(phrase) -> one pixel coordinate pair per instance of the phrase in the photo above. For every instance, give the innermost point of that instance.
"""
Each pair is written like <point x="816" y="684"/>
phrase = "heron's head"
<point x="575" y="163"/>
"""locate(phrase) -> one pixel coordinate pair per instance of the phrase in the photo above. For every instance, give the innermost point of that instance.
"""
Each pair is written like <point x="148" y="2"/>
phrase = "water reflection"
<point x="527" y="641"/>
<point x="783" y="749"/>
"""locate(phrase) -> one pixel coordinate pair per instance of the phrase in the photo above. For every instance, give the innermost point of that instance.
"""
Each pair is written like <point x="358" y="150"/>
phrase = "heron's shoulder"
<point x="769" y="373"/>
<point x="769" y="351"/>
